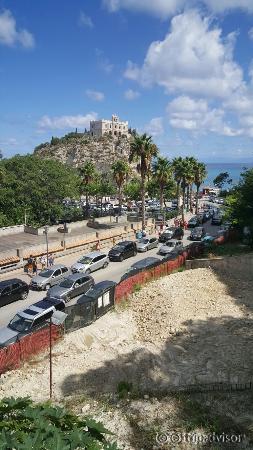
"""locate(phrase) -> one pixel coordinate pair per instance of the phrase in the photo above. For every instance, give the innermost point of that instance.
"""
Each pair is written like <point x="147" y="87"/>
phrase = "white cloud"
<point x="154" y="127"/>
<point x="166" y="8"/>
<point x="85" y="20"/>
<point x="195" y="115"/>
<point x="130" y="94"/>
<point x="63" y="122"/>
<point x="104" y="62"/>
<point x="9" y="35"/>
<point x="250" y="33"/>
<point x="193" y="58"/>
<point x="95" y="95"/>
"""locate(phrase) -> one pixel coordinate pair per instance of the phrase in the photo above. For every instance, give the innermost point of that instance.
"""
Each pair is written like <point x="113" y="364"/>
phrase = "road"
<point x="113" y="272"/>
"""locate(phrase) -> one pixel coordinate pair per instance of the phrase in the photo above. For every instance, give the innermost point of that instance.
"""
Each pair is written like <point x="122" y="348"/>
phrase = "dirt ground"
<point x="190" y="328"/>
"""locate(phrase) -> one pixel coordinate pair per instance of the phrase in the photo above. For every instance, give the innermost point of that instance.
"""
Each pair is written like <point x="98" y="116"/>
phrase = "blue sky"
<point x="181" y="70"/>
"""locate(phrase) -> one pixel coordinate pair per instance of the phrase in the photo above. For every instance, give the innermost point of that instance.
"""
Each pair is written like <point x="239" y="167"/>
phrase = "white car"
<point x="170" y="246"/>
<point x="90" y="262"/>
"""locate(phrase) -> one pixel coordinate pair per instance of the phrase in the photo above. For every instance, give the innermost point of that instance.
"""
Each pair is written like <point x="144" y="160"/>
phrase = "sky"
<point x="180" y="70"/>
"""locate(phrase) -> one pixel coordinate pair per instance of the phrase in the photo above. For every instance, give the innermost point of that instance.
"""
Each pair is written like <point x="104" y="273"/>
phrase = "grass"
<point x="228" y="249"/>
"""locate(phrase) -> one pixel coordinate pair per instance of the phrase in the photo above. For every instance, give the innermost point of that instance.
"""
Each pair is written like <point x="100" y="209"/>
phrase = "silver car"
<point x="145" y="244"/>
<point x="170" y="246"/>
<point x="76" y="284"/>
<point x="90" y="262"/>
<point x="49" y="277"/>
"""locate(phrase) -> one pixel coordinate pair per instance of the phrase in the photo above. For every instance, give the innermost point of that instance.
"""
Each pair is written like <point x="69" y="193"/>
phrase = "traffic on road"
<point x="71" y="278"/>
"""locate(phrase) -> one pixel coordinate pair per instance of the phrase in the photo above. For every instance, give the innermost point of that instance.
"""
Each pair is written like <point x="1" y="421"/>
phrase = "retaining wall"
<point x="5" y="231"/>
<point x="239" y="265"/>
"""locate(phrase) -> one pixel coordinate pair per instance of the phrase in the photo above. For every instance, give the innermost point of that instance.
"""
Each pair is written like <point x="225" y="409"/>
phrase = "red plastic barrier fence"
<point x="14" y="355"/>
<point x="126" y="287"/>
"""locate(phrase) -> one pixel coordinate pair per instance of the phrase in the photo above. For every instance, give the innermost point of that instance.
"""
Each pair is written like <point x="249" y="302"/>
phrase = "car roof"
<point x="56" y="266"/>
<point x="35" y="310"/>
<point x="125" y="242"/>
<point x="76" y="276"/>
<point x="97" y="290"/>
<point x="93" y="254"/>
<point x="4" y="283"/>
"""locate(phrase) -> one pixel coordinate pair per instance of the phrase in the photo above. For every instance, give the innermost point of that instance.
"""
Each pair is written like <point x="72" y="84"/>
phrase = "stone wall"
<point x="239" y="265"/>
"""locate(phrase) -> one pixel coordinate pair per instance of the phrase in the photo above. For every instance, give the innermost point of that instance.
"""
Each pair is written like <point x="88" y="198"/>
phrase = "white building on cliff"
<point x="113" y="127"/>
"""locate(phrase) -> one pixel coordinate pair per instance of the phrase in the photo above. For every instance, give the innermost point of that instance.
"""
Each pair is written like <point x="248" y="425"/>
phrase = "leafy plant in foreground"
<point x="25" y="425"/>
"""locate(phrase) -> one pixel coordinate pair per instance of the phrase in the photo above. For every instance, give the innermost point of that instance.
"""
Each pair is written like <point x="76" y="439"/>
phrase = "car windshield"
<point x="118" y="247"/>
<point x="170" y="244"/>
<point x="143" y="241"/>
<point x="85" y="260"/>
<point x="19" y="323"/>
<point x="46" y="273"/>
<point x="66" y="283"/>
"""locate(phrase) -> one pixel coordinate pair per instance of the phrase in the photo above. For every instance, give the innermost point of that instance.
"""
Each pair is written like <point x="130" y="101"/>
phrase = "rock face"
<point x="75" y="149"/>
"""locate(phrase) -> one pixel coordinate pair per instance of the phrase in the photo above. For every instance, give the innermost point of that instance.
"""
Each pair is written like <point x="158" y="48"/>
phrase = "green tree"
<point x="200" y="174"/>
<point x="120" y="170"/>
<point x="88" y="174"/>
<point x="240" y="203"/>
<point x="222" y="179"/>
<point x="36" y="186"/>
<point x="142" y="150"/>
<point x="162" y="173"/>
<point x="27" y="425"/>
<point x="132" y="190"/>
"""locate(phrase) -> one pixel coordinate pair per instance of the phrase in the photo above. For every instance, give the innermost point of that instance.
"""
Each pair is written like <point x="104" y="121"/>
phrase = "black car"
<point x="123" y="250"/>
<point x="171" y="233"/>
<point x="197" y="234"/>
<point x="13" y="290"/>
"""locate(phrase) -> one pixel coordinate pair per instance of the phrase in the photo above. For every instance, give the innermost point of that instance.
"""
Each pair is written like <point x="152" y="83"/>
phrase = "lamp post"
<point x="46" y="228"/>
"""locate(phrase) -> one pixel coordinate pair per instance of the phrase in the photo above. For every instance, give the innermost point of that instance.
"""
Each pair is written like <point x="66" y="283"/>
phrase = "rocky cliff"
<point x="77" y="148"/>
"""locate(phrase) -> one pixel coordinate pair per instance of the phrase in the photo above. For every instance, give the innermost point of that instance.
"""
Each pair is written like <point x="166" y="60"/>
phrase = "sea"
<point x="234" y="170"/>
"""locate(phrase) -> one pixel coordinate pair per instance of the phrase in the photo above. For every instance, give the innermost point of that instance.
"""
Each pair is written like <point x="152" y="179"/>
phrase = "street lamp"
<point x="46" y="228"/>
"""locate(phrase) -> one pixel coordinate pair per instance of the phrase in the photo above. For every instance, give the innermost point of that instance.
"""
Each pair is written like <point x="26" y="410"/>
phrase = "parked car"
<point x="138" y="266"/>
<point x="13" y="290"/>
<point x="197" y="234"/>
<point x="171" y="233"/>
<point x="25" y="322"/>
<point x="123" y="250"/>
<point x="145" y="244"/>
<point x="170" y="246"/>
<point x="216" y="219"/>
<point x="193" y="222"/>
<point x="201" y="217"/>
<point x="74" y="285"/>
<point x="91" y="262"/>
<point x="49" y="277"/>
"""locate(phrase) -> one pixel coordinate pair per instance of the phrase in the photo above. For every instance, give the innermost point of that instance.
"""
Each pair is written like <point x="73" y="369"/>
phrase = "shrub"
<point x="28" y="426"/>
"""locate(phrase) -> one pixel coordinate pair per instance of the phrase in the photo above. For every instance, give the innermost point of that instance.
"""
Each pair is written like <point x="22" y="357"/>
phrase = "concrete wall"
<point x="5" y="231"/>
<point x="53" y="228"/>
<point x="242" y="264"/>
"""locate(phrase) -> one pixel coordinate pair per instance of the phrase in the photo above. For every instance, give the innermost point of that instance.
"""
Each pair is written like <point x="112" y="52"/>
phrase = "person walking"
<point x="30" y="265"/>
<point x="35" y="266"/>
<point x="51" y="260"/>
<point x="43" y="262"/>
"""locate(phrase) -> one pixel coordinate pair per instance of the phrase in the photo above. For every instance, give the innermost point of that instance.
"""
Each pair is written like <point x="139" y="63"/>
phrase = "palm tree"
<point x="162" y="172"/>
<point x="88" y="173"/>
<point x="120" y="170"/>
<point x="200" y="174"/>
<point x="142" y="150"/>
<point x="177" y="165"/>
<point x="190" y="180"/>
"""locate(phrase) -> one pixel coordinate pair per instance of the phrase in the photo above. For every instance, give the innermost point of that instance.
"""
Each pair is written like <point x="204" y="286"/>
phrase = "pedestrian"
<point x="43" y="262"/>
<point x="30" y="265"/>
<point x="185" y="225"/>
<point x="35" y="266"/>
<point x="51" y="260"/>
